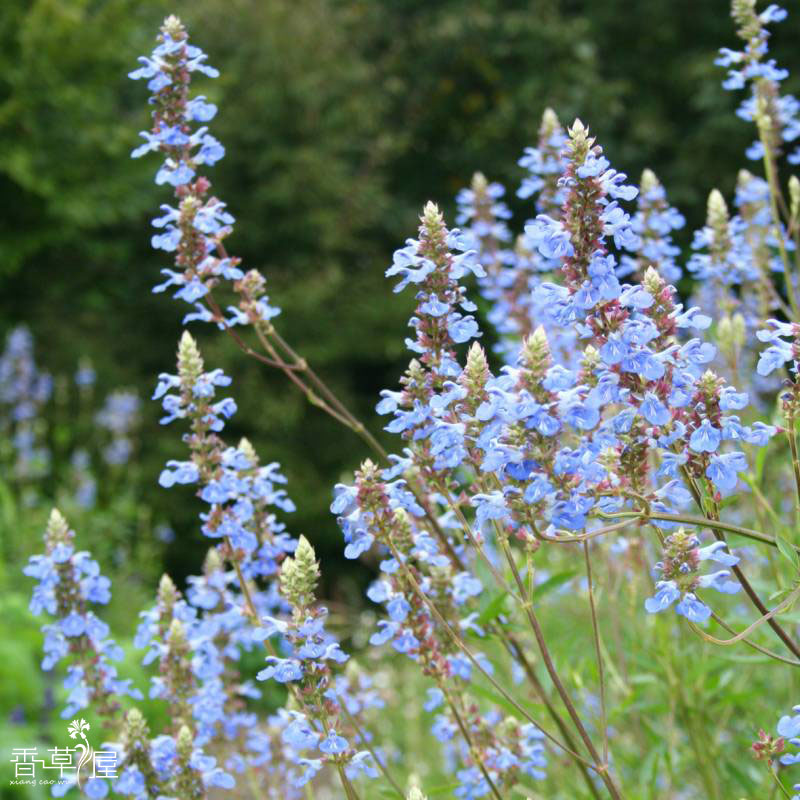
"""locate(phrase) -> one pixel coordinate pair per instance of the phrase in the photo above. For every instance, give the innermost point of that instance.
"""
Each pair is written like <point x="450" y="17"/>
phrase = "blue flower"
<point x="361" y="762"/>
<point x="722" y="470"/>
<point x="311" y="767"/>
<point x="435" y="699"/>
<point x="789" y="727"/>
<point x="182" y="472"/>
<point x="654" y="411"/>
<point x="397" y="608"/>
<point x="96" y="788"/>
<point x="387" y="631"/>
<point x="333" y="744"/>
<point x="720" y="581"/>
<point x="131" y="781"/>
<point x="74" y="624"/>
<point x="282" y="670"/>
<point x="774" y="357"/>
<point x="465" y="586"/>
<point x="299" y="734"/>
<point x="490" y="506"/>
<point x="550" y="237"/>
<point x="359" y="544"/>
<point x="693" y="609"/>
<point x="705" y="439"/>
<point x="593" y="166"/>
<point x="716" y="552"/>
<point x="667" y="593"/>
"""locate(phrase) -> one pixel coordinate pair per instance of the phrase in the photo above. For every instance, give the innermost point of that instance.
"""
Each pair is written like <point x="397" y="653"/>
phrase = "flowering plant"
<point x="616" y="436"/>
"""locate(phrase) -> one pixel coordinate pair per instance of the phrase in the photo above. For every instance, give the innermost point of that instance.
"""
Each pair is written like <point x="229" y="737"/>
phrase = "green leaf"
<point x="553" y="582"/>
<point x="439" y="791"/>
<point x="761" y="459"/>
<point x="493" y="609"/>
<point x="787" y="551"/>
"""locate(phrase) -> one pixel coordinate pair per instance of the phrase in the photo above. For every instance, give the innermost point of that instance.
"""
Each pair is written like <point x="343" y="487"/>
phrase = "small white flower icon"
<point x="77" y="727"/>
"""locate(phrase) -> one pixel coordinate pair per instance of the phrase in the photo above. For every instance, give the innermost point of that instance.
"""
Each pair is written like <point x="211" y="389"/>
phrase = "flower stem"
<point x="596" y="637"/>
<point x="774" y="192"/>
<point x="599" y="766"/>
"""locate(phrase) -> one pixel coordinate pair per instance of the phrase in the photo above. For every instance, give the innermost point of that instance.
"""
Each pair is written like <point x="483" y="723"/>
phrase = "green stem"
<point x="713" y="516"/>
<point x="459" y="642"/>
<point x="778" y="782"/>
<point x="596" y="636"/>
<point x="703" y="522"/>
<point x="354" y="722"/>
<point x="600" y="766"/>
<point x="349" y="789"/>
<point x="769" y="170"/>
<point x="511" y="643"/>
<point x="517" y="653"/>
<point x="791" y="433"/>
<point x="476" y="756"/>
<point x="757" y="647"/>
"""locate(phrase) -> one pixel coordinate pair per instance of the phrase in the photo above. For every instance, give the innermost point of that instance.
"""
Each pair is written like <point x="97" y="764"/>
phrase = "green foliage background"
<point x="340" y="118"/>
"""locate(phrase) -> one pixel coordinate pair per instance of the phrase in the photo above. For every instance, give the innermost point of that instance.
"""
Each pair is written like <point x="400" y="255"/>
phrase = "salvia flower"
<point x="429" y="264"/>
<point x="240" y="492"/>
<point x="775" y="114"/>
<point x="653" y="223"/>
<point x="24" y="391"/>
<point x="194" y="230"/>
<point x="69" y="584"/>
<point x="119" y="416"/>
<point x="680" y="579"/>
<point x="319" y="724"/>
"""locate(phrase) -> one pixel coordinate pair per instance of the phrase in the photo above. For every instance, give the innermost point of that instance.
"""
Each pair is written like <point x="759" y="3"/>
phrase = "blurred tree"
<point x="340" y="119"/>
<point x="65" y="121"/>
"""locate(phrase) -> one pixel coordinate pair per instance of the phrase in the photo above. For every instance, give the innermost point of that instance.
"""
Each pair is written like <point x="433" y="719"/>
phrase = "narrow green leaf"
<point x="553" y="582"/>
<point x="493" y="609"/>
<point x="787" y="551"/>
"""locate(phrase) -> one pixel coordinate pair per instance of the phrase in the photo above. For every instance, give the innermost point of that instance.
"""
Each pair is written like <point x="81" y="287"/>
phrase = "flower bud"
<point x="57" y="531"/>
<point x="794" y="197"/>
<point x="299" y="575"/>
<point x="768" y="747"/>
<point x="433" y="230"/>
<point x="401" y="532"/>
<point x="135" y="724"/>
<point x="173" y="27"/>
<point x="648" y="181"/>
<point x="185" y="743"/>
<point x="167" y="593"/>
<point x="549" y="125"/>
<point x="476" y="373"/>
<point x="213" y="562"/>
<point x="763" y="117"/>
<point x="190" y="362"/>
<point x="731" y="335"/>
<point x="580" y="142"/>
<point x="248" y="451"/>
<point x="352" y="671"/>
<point x="591" y="359"/>
<point x="369" y="471"/>
<point x="717" y="210"/>
<point x="536" y="353"/>
<point x="479" y="183"/>
<point x="177" y="636"/>
<point x="709" y="385"/>
<point x="653" y="282"/>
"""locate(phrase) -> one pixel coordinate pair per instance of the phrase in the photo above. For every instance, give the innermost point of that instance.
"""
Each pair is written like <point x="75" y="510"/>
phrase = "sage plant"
<point x="626" y="437"/>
